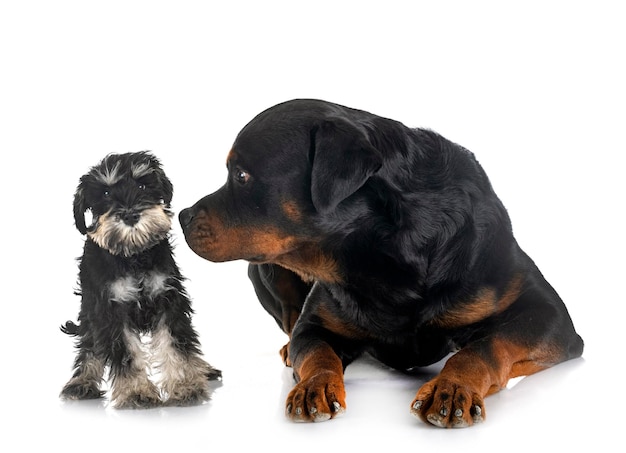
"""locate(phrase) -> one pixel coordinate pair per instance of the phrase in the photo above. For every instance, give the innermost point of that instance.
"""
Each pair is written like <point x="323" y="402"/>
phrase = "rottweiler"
<point x="366" y="236"/>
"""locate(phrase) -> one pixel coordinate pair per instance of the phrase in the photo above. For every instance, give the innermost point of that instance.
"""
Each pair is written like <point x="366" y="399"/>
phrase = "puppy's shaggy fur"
<point x="135" y="315"/>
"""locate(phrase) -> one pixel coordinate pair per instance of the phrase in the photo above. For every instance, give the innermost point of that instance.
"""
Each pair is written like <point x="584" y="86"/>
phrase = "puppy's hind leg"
<point x="85" y="384"/>
<point x="131" y="386"/>
<point x="88" y="367"/>
<point x="184" y="375"/>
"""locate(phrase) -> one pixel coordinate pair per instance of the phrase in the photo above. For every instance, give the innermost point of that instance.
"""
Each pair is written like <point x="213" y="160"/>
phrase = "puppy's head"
<point x="128" y="196"/>
<point x="290" y="168"/>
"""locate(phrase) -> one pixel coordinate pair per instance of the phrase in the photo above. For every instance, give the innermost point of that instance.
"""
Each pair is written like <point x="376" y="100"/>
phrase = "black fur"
<point x="131" y="287"/>
<point x="383" y="239"/>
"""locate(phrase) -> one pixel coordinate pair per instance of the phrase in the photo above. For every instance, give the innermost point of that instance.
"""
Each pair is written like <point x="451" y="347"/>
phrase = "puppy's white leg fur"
<point x="134" y="389"/>
<point x="183" y="377"/>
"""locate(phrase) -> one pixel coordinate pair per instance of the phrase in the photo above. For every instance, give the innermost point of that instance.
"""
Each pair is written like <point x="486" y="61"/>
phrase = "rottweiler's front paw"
<point x="317" y="398"/>
<point x="448" y="404"/>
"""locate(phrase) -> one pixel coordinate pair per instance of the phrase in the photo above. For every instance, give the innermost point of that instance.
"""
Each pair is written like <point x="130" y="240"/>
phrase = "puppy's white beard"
<point x="112" y="234"/>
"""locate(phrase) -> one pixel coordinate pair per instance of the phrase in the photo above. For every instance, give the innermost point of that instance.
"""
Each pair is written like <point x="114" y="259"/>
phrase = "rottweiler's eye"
<point x="106" y="193"/>
<point x="242" y="177"/>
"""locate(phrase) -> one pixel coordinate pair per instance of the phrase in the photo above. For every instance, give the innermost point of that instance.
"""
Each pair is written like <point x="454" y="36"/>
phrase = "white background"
<point x="536" y="91"/>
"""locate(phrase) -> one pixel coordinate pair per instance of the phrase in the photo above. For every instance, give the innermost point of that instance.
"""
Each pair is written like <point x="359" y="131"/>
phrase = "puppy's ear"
<point x="168" y="188"/>
<point x="164" y="181"/>
<point x="80" y="207"/>
<point x="343" y="160"/>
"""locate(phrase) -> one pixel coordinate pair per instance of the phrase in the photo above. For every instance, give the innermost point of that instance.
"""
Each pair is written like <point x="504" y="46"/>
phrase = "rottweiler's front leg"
<point x="454" y="399"/>
<point x="282" y="294"/>
<point x="321" y="346"/>
<point x="320" y="394"/>
<point x="280" y="291"/>
<point x="541" y="336"/>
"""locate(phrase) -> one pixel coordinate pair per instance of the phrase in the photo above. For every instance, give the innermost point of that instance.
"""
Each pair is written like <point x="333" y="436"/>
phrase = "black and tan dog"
<point x="132" y="291"/>
<point x="367" y="236"/>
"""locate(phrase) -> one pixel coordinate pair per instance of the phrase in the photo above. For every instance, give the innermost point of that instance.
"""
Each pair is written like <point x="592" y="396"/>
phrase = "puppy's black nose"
<point x="185" y="218"/>
<point x="130" y="217"/>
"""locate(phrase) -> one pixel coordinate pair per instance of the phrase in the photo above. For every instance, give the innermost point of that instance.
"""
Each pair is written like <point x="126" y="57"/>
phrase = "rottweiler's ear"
<point x="343" y="160"/>
<point x="80" y="207"/>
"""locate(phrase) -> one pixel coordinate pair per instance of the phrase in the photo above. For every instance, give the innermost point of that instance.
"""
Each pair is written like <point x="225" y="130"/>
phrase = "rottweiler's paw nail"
<point x="417" y="405"/>
<point x="336" y="406"/>
<point x="458" y="413"/>
<point x="298" y="411"/>
<point x="313" y="411"/>
<point x="477" y="414"/>
<point x="443" y="411"/>
<point x="288" y="408"/>
<point x="321" y="417"/>
<point x="435" y="420"/>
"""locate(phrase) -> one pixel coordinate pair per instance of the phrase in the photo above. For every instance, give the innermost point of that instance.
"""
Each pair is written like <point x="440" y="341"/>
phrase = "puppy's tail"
<point x="70" y="328"/>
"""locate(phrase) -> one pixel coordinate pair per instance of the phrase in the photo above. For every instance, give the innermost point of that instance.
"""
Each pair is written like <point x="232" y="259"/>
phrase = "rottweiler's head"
<point x="289" y="170"/>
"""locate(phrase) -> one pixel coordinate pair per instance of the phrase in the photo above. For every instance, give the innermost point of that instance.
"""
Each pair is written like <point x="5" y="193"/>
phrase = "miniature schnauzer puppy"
<point x="135" y="315"/>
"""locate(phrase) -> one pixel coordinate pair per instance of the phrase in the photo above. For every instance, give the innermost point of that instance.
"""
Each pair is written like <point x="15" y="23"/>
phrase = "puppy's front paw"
<point x="145" y="396"/>
<point x="447" y="404"/>
<point x="137" y="401"/>
<point x="317" y="399"/>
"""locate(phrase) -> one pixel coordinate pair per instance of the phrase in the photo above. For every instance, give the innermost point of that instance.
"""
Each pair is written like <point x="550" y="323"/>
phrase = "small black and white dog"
<point x="135" y="315"/>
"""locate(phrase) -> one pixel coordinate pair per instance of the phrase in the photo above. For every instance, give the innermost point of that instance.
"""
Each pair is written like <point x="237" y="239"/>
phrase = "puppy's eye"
<point x="241" y="176"/>
<point x="106" y="193"/>
<point x="141" y="186"/>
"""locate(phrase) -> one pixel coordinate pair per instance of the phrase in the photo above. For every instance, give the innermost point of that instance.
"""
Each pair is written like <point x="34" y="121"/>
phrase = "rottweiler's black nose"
<point x="185" y="218"/>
